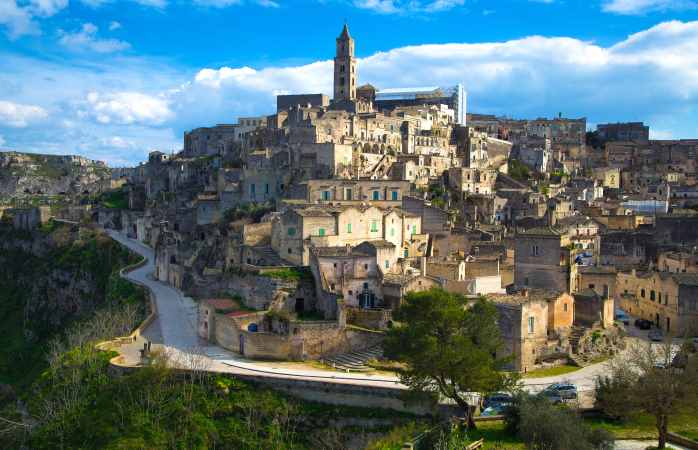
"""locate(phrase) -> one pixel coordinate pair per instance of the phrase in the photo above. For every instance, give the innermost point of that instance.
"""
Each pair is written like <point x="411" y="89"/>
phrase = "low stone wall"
<point x="348" y="394"/>
<point x="680" y="440"/>
<point x="375" y="319"/>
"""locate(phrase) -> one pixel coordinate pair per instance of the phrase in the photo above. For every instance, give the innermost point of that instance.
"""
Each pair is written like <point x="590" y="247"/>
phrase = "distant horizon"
<point x="112" y="81"/>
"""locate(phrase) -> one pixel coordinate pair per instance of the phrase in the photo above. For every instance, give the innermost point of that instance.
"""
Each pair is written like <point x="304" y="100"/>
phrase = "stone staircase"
<point x="354" y="361"/>
<point x="575" y="335"/>
<point x="269" y="255"/>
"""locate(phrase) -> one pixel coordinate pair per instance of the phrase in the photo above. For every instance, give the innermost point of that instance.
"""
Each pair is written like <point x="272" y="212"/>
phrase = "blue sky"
<point x="115" y="79"/>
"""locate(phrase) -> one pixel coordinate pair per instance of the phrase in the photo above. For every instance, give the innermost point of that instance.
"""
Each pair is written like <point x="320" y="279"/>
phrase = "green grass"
<point x="551" y="371"/>
<point x="496" y="436"/>
<point x="311" y="316"/>
<point x="288" y="274"/>
<point x="692" y="435"/>
<point x="114" y="199"/>
<point x="643" y="426"/>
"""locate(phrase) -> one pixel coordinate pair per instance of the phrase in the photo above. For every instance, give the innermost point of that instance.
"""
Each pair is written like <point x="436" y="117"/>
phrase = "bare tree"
<point x="651" y="380"/>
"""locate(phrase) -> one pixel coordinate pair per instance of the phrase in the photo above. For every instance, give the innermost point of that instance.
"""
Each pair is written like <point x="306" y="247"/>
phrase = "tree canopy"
<point x="449" y="346"/>
<point x="651" y="380"/>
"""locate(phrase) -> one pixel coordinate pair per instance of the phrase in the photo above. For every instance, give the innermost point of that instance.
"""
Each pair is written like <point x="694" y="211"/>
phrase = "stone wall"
<point x="375" y="319"/>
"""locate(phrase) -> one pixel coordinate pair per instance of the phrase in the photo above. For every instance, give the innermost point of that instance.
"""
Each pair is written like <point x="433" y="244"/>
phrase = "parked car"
<point x="656" y="335"/>
<point x="622" y="317"/>
<point x="500" y="399"/>
<point x="643" y="324"/>
<point x="560" y="392"/>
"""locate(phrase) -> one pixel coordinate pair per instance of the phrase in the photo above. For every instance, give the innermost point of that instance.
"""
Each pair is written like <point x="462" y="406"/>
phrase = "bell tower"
<point x="345" y="68"/>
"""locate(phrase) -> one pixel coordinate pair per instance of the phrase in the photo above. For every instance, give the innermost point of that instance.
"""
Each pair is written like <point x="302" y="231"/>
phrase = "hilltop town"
<point x="300" y="232"/>
<point x="294" y="252"/>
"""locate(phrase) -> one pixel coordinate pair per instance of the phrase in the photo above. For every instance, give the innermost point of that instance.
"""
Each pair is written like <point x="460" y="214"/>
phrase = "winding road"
<point x="175" y="329"/>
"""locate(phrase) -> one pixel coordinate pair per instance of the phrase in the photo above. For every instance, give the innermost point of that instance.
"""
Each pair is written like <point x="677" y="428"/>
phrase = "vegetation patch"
<point x="551" y="371"/>
<point x="289" y="274"/>
<point x="117" y="199"/>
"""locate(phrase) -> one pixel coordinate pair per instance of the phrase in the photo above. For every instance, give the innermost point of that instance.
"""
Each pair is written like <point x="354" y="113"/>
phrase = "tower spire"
<point x="345" y="67"/>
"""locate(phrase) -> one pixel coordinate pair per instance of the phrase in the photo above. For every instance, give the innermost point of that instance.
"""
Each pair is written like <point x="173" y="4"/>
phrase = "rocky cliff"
<point x="32" y="174"/>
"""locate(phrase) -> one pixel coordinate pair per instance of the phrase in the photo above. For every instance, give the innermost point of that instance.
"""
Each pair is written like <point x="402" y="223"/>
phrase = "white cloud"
<point x="18" y="18"/>
<point x="47" y="8"/>
<point x="114" y="25"/>
<point x="226" y="3"/>
<point x="407" y="6"/>
<point x="86" y="39"/>
<point x="131" y="105"/>
<point x="17" y="115"/>
<point x="18" y="21"/>
<point x="127" y="108"/>
<point x="2" y="140"/>
<point x="638" y="7"/>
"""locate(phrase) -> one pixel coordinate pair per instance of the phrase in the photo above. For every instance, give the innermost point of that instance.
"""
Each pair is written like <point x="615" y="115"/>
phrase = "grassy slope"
<point x="23" y="343"/>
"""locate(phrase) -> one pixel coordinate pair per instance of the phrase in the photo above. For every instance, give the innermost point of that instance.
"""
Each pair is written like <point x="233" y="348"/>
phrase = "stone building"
<point x="299" y="228"/>
<point x="542" y="260"/>
<point x="28" y="218"/>
<point x="678" y="262"/>
<point x="669" y="300"/>
<point x="593" y="310"/>
<point x="629" y="131"/>
<point x="624" y="249"/>
<point x="338" y="191"/>
<point x="466" y="180"/>
<point x="534" y="326"/>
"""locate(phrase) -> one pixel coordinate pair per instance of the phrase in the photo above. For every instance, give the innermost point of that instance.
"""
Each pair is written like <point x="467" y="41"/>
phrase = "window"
<point x="321" y="232"/>
<point x="266" y="188"/>
<point x="564" y="307"/>
<point x="376" y="195"/>
<point x="349" y="228"/>
<point x="392" y="232"/>
<point x="592" y="286"/>
<point x="347" y="194"/>
<point x="414" y="229"/>
<point x="253" y="188"/>
<point x="535" y="251"/>
<point x="290" y="251"/>
<point x="365" y="266"/>
<point x="407" y="252"/>
<point x="652" y="295"/>
<point x="387" y="264"/>
<point x="394" y="195"/>
<point x="332" y="287"/>
<point x="366" y="286"/>
<point x="291" y="231"/>
<point x="325" y="195"/>
<point x="374" y="226"/>
<point x="531" y="325"/>
<point x="642" y="293"/>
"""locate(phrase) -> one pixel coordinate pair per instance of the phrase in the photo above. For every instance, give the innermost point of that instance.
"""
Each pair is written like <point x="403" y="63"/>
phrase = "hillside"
<point x="34" y="174"/>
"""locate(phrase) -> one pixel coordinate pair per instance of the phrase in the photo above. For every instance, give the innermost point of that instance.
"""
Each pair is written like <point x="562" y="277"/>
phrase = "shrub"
<point x="540" y="424"/>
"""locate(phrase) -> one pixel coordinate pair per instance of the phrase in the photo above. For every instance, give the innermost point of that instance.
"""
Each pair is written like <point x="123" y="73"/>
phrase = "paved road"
<point x="176" y="326"/>
<point x="642" y="445"/>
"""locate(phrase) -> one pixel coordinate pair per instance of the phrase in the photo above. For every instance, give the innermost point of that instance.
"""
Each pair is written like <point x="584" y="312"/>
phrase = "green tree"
<point x="650" y="381"/>
<point x="449" y="347"/>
